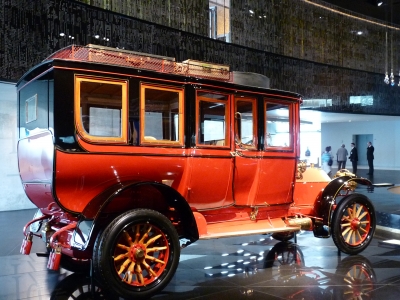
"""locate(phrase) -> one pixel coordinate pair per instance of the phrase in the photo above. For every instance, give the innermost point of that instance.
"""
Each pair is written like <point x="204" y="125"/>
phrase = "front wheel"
<point x="137" y="254"/>
<point x="353" y="224"/>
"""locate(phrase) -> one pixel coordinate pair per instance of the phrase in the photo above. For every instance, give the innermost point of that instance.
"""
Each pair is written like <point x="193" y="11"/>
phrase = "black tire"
<point x="137" y="254"/>
<point x="283" y="236"/>
<point x="353" y="224"/>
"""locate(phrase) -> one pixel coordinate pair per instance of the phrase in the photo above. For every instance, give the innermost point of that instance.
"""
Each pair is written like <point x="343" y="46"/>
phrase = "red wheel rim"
<point x="356" y="224"/>
<point x="141" y="254"/>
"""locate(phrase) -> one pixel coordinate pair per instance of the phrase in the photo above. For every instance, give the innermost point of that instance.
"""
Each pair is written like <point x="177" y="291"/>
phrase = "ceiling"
<point x="317" y="117"/>
<point x="389" y="11"/>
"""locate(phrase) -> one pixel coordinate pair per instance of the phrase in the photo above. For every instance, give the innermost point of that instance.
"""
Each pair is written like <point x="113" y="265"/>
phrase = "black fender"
<point x="324" y="204"/>
<point x="93" y="211"/>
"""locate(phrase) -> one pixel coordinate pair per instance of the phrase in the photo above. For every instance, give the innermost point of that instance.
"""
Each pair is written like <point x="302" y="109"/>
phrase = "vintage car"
<point x="131" y="157"/>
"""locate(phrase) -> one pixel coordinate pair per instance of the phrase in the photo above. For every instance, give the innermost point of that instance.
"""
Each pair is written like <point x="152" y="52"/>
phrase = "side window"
<point x="245" y="122"/>
<point x="278" y="126"/>
<point x="212" y="119"/>
<point x="101" y="109"/>
<point x="161" y="119"/>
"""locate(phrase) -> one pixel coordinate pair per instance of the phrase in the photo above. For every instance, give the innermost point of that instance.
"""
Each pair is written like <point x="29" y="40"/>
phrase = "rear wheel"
<point x="137" y="254"/>
<point x="353" y="224"/>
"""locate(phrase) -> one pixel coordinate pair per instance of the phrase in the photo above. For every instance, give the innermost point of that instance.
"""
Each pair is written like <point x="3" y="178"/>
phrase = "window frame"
<point x="228" y="124"/>
<point x="181" y="113"/>
<point x="123" y="138"/>
<point x="290" y="107"/>
<point x="253" y="101"/>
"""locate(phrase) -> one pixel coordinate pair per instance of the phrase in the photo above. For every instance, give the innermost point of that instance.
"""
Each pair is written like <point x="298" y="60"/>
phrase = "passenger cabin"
<point x="92" y="117"/>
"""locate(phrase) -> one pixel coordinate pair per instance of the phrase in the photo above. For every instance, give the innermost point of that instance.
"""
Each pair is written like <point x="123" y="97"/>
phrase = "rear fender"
<point x="325" y="203"/>
<point x="91" y="216"/>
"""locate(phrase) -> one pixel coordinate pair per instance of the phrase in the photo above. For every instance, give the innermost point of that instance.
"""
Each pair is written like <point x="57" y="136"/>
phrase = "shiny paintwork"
<point x="130" y="157"/>
<point x="206" y="192"/>
<point x="242" y="179"/>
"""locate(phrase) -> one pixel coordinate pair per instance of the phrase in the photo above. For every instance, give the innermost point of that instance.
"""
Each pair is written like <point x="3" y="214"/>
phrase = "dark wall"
<point x="30" y="31"/>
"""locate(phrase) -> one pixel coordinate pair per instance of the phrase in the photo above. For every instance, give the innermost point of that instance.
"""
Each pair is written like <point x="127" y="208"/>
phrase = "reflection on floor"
<point x="250" y="267"/>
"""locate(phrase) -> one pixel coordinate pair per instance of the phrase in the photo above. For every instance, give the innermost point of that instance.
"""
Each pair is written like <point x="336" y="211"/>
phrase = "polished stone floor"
<point x="250" y="267"/>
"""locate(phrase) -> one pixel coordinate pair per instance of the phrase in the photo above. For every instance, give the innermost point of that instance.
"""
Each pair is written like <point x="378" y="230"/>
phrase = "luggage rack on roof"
<point x="119" y="57"/>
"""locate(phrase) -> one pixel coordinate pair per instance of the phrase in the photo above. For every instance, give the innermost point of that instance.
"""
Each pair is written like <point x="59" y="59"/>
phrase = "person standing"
<point x="308" y="152"/>
<point x="342" y="157"/>
<point x="327" y="160"/>
<point x="370" y="158"/>
<point x="354" y="157"/>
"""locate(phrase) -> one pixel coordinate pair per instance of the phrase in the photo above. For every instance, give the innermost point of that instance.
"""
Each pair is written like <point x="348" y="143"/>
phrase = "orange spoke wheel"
<point x="141" y="254"/>
<point x="137" y="254"/>
<point x="356" y="222"/>
<point x="353" y="223"/>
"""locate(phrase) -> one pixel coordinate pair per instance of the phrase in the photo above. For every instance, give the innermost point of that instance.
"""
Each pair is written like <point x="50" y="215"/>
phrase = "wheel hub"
<point x="137" y="253"/>
<point x="355" y="224"/>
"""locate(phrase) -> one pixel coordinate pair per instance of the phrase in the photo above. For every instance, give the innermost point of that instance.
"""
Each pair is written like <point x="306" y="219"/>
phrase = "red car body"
<point x="113" y="139"/>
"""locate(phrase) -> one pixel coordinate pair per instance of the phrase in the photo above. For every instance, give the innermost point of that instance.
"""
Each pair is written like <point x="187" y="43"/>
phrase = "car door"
<point x="264" y="174"/>
<point x="211" y="161"/>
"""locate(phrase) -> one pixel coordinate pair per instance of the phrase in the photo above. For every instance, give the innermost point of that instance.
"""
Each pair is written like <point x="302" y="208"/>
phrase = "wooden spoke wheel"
<point x="141" y="254"/>
<point x="353" y="223"/>
<point x="137" y="254"/>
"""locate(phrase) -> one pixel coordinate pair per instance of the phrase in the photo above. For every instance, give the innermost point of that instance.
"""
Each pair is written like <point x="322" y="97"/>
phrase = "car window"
<point x="161" y="115"/>
<point x="101" y="109"/>
<point x="278" y="128"/>
<point x="212" y="113"/>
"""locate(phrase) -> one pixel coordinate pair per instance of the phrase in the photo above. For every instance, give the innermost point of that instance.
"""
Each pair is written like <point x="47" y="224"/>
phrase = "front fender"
<point x="94" y="209"/>
<point x="325" y="203"/>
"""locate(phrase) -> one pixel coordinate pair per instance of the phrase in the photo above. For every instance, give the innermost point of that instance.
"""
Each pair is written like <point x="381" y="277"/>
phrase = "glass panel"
<point x="219" y="17"/>
<point x="101" y="107"/>
<point x="212" y="116"/>
<point x="246" y="121"/>
<point x="35" y="111"/>
<point x="162" y="115"/>
<point x="277" y="127"/>
<point x="31" y="109"/>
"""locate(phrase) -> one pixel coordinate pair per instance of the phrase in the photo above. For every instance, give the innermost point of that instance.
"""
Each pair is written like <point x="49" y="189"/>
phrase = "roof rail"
<point x="138" y="60"/>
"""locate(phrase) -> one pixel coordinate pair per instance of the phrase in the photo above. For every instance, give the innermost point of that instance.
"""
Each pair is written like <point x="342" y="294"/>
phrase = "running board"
<point x="239" y="228"/>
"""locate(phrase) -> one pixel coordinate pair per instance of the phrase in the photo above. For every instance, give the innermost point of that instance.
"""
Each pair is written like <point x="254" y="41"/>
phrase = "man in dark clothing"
<point x="354" y="157"/>
<point x="370" y="158"/>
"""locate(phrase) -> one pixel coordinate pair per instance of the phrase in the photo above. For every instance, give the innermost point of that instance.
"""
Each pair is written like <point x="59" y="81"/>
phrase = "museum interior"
<point x="341" y="56"/>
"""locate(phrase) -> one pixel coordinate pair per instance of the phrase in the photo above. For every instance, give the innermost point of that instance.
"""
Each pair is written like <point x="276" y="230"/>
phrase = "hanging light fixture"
<point x="399" y="79"/>
<point x="391" y="59"/>
<point x="386" y="80"/>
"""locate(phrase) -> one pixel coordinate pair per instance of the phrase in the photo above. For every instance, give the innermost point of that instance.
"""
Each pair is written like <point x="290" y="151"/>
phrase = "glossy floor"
<point x="249" y="267"/>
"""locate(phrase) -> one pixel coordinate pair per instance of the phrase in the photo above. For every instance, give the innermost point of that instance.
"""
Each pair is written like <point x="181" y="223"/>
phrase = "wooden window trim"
<point x="123" y="139"/>
<point x="290" y="120"/>
<point x="253" y="101"/>
<point x="180" y="91"/>
<point x="227" y="102"/>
